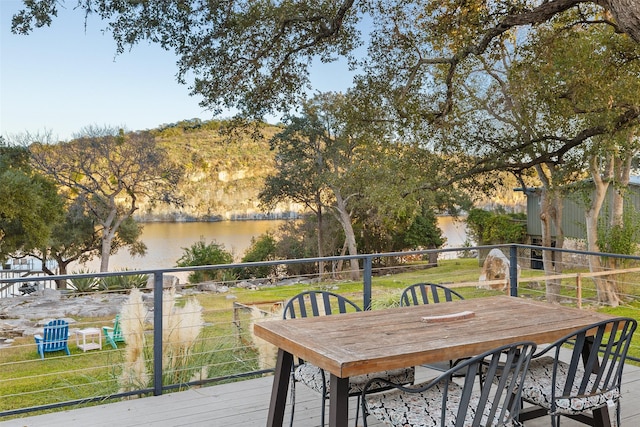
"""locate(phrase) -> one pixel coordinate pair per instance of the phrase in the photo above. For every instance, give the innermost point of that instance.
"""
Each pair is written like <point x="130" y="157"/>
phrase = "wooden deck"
<point x="245" y="403"/>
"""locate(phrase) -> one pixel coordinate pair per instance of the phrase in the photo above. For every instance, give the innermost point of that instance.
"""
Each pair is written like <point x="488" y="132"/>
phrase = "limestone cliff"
<point x="224" y="173"/>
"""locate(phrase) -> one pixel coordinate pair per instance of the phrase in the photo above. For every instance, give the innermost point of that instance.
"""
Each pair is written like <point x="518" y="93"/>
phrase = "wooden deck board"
<point x="245" y="403"/>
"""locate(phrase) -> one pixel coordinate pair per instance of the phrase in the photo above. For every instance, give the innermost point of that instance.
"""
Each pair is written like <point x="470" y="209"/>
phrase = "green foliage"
<point x="84" y="284"/>
<point x="620" y="238"/>
<point x="201" y="253"/>
<point x="492" y="228"/>
<point x="262" y="249"/>
<point x="424" y="232"/>
<point x="110" y="171"/>
<point x="30" y="204"/>
<point x="299" y="239"/>
<point x="123" y="282"/>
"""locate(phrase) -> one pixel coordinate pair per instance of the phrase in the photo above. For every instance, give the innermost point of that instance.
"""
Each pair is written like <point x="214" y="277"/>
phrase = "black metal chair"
<point x="444" y="402"/>
<point x="320" y="303"/>
<point x="588" y="383"/>
<point x="430" y="293"/>
<point x="427" y="293"/>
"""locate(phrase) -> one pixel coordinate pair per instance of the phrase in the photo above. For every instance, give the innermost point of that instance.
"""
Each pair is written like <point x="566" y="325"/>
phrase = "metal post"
<point x="367" y="272"/>
<point x="513" y="270"/>
<point x="157" y="333"/>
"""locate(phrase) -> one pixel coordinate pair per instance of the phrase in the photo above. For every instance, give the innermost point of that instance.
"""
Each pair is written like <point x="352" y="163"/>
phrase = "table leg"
<point x="338" y="401"/>
<point x="280" y="389"/>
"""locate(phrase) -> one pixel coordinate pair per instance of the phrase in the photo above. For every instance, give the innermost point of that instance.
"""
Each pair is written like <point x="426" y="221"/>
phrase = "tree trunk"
<point x="320" y="237"/>
<point x="626" y="14"/>
<point x="105" y="253"/>
<point x="606" y="293"/>
<point x="350" y="238"/>
<point x="546" y="219"/>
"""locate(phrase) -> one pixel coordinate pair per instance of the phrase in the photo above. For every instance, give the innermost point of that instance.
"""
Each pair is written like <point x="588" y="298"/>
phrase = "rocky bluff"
<point x="225" y="171"/>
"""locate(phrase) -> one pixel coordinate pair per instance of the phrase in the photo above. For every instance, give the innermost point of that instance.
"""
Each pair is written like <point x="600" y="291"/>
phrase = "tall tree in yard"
<point x="112" y="172"/>
<point x="30" y="203"/>
<point x="320" y="145"/>
<point x="596" y="91"/>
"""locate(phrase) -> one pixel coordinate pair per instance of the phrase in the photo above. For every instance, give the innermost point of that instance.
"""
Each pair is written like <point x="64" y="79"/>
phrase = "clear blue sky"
<point x="62" y="78"/>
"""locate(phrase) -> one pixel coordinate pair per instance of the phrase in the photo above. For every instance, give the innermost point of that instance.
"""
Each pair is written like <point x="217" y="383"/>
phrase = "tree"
<point x="113" y="173"/>
<point x="256" y="56"/>
<point x="263" y="248"/>
<point x="330" y="153"/>
<point x="587" y="88"/>
<point x="77" y="238"/>
<point x="298" y="175"/>
<point x="30" y="203"/>
<point x="547" y="101"/>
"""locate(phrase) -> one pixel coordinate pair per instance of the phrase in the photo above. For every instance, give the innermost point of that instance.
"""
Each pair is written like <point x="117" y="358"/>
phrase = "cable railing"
<point x="200" y="334"/>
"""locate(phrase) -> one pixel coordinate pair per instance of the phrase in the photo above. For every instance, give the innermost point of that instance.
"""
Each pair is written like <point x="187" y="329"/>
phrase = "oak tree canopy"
<point x="256" y="55"/>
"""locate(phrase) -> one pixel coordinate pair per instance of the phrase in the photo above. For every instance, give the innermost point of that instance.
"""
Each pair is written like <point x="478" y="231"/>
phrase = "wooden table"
<point x="371" y="341"/>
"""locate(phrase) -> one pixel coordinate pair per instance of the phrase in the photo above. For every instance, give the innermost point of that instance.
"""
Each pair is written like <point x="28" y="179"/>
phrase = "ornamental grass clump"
<point x="267" y="352"/>
<point x="181" y="327"/>
<point x="133" y="315"/>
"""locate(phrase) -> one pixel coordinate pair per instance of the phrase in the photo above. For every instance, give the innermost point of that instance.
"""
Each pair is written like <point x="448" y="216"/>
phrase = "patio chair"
<point x="55" y="337"/>
<point x="430" y="293"/>
<point x="320" y="303"/>
<point x="426" y="293"/>
<point x="113" y="335"/>
<point x="586" y="387"/>
<point x="444" y="402"/>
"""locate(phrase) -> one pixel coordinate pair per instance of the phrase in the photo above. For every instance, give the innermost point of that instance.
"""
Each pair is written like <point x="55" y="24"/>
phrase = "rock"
<point x="50" y="294"/>
<point x="168" y="281"/>
<point x="496" y="267"/>
<point x="207" y="287"/>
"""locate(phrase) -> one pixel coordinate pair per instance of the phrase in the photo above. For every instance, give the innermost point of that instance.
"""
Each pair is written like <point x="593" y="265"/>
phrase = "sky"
<point x="61" y="79"/>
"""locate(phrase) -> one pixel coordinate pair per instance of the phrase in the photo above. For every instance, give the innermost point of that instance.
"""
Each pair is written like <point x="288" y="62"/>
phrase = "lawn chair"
<point x="113" y="335"/>
<point x="54" y="338"/>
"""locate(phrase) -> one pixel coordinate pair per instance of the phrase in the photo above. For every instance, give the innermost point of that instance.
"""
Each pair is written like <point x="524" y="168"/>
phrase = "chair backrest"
<point x="426" y="293"/>
<point x="117" y="331"/>
<point x="495" y="402"/>
<point x="600" y="351"/>
<point x="317" y="303"/>
<point x="56" y="334"/>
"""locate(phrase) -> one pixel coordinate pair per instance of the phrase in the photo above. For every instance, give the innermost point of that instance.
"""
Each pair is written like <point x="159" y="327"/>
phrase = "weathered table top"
<point x="371" y="341"/>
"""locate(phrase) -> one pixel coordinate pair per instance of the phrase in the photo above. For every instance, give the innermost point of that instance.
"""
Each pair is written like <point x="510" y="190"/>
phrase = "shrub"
<point x="493" y="228"/>
<point x="201" y="253"/>
<point x="84" y="284"/>
<point x="123" y="282"/>
<point x="262" y="249"/>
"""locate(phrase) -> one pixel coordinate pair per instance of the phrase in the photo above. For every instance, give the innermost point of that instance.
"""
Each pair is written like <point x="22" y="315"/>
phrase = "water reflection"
<point x="165" y="241"/>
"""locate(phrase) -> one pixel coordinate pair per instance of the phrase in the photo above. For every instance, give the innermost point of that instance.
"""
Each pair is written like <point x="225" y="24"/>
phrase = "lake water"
<point x="165" y="241"/>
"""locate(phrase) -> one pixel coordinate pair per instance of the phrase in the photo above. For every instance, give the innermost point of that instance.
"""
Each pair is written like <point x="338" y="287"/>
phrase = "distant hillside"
<point x="225" y="172"/>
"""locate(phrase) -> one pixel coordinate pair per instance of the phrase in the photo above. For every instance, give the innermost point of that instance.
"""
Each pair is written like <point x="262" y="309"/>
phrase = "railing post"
<point x="579" y="289"/>
<point x="157" y="333"/>
<point x="367" y="274"/>
<point x="513" y="270"/>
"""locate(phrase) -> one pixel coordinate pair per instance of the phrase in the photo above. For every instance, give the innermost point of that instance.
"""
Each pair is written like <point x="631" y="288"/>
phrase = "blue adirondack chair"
<point x="113" y="335"/>
<point x="54" y="338"/>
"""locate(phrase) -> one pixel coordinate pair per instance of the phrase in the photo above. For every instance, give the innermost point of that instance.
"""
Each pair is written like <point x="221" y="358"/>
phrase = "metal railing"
<point x="372" y="267"/>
